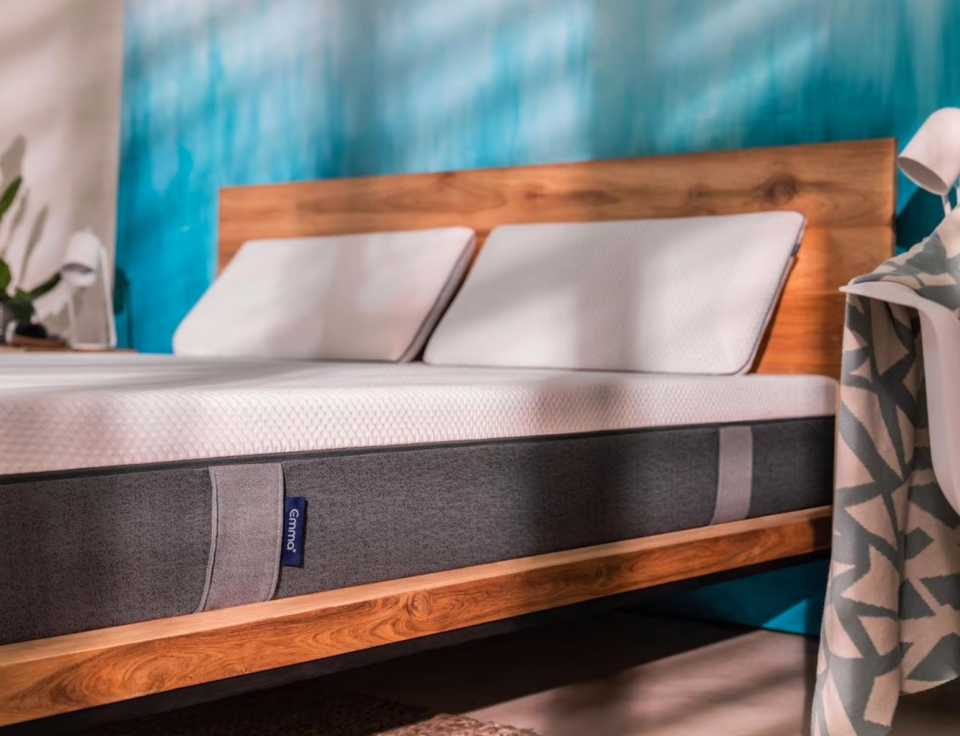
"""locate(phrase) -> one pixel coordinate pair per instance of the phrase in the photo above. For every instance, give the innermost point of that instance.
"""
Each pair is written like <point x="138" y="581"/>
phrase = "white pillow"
<point x="352" y="297"/>
<point x="686" y="295"/>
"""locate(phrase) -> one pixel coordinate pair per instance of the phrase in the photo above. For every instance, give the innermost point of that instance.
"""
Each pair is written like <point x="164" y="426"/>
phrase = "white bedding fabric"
<point x="70" y="411"/>
<point x="370" y="296"/>
<point x="681" y="295"/>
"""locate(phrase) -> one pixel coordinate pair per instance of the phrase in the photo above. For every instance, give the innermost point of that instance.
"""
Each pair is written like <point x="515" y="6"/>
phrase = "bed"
<point x="438" y="497"/>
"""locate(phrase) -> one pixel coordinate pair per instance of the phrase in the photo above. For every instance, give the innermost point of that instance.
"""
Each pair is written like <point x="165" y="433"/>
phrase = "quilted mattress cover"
<point x="73" y="411"/>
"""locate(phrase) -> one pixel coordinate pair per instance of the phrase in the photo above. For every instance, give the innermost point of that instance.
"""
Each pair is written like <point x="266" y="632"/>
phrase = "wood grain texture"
<point x="806" y="335"/>
<point x="845" y="190"/>
<point x="61" y="674"/>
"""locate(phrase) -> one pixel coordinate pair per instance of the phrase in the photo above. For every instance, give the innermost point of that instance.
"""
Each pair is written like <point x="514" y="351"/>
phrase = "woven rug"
<point x="303" y="709"/>
<point x="456" y="726"/>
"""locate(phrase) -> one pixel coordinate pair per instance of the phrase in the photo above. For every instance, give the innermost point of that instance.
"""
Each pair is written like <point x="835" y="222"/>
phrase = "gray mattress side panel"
<point x="77" y="554"/>
<point x="419" y="511"/>
<point x="103" y="548"/>
<point x="792" y="466"/>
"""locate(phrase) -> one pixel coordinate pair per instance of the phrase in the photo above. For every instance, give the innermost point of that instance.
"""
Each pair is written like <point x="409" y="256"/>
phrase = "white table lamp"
<point x="86" y="259"/>
<point x="931" y="159"/>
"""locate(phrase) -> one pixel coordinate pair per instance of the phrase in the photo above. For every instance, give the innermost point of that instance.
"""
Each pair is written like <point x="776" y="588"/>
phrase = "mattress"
<point x="61" y="412"/>
<point x="161" y="486"/>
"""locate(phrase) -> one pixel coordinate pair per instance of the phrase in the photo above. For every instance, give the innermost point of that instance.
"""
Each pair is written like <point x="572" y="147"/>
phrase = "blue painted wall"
<point x="221" y="92"/>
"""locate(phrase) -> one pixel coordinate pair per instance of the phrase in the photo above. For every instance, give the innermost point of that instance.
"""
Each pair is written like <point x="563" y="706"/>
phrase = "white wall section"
<point x="61" y="65"/>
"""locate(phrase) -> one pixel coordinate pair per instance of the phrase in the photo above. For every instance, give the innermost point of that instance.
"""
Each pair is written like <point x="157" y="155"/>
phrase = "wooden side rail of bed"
<point x="845" y="190"/>
<point x="92" y="668"/>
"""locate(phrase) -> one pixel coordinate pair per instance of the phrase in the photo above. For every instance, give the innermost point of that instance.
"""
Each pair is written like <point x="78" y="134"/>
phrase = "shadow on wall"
<point x="11" y="167"/>
<point x="11" y="161"/>
<point x="919" y="217"/>
<point x="789" y="600"/>
<point x="121" y="307"/>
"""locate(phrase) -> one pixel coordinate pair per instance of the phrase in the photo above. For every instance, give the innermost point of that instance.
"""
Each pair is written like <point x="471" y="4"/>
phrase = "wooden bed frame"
<point x="846" y="191"/>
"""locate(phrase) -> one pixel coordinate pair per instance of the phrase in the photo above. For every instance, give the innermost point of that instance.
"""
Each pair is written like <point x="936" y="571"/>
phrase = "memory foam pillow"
<point x="686" y="295"/>
<point x="371" y="297"/>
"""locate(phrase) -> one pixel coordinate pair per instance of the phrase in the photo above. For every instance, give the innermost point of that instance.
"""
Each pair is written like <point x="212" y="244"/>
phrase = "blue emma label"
<point x="294" y="517"/>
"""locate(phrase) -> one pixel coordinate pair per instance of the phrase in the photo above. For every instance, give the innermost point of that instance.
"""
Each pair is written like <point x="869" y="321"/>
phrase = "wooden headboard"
<point x="845" y="190"/>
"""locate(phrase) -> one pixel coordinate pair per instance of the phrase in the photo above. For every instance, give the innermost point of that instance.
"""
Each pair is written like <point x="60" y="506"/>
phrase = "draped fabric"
<point x="892" y="619"/>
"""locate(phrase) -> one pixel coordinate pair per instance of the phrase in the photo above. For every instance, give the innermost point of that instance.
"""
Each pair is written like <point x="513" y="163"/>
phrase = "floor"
<point x="625" y="673"/>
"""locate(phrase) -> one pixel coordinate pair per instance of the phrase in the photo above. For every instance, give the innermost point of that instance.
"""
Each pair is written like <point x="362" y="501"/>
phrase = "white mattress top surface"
<point x="69" y="411"/>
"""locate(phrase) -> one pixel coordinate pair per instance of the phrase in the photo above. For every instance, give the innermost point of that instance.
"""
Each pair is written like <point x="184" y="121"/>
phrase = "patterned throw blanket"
<point x="892" y="620"/>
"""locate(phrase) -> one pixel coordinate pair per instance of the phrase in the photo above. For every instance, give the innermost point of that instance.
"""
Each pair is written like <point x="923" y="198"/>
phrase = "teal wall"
<point x="790" y="599"/>
<point x="221" y="92"/>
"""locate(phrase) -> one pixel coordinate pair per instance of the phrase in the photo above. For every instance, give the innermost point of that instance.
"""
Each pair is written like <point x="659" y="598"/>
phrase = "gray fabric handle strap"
<point x="244" y="562"/>
<point x="735" y="477"/>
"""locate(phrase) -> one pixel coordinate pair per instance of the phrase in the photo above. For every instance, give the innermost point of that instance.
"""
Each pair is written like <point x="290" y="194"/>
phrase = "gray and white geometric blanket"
<point x="892" y="619"/>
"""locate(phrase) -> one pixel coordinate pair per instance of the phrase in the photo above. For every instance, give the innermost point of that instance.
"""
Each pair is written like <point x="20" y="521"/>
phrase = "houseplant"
<point x="16" y="303"/>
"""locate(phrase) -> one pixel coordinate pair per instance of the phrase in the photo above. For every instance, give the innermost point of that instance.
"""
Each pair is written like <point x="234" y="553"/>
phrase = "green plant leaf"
<point x="21" y="309"/>
<point x="9" y="195"/>
<point x="5" y="276"/>
<point x="45" y="287"/>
